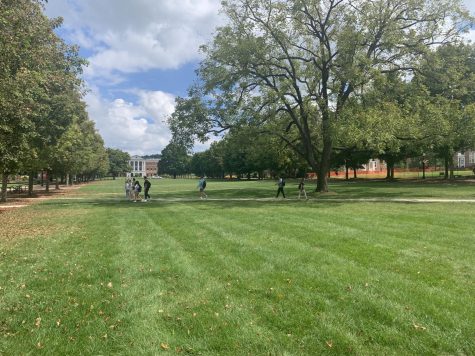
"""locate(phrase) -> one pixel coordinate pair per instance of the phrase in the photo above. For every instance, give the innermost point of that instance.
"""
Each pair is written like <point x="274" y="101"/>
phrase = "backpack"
<point x="139" y="188"/>
<point x="204" y="184"/>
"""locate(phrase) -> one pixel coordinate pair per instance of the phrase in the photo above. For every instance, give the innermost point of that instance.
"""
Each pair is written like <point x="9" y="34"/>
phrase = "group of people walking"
<point x="281" y="184"/>
<point x="133" y="188"/>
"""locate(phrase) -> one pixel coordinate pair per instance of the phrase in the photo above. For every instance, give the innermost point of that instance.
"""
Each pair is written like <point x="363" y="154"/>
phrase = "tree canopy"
<point x="292" y="68"/>
<point x="41" y="96"/>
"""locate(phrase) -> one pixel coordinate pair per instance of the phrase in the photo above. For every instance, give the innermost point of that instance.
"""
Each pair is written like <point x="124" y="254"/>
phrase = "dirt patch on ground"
<point x="27" y="223"/>
<point x="19" y="200"/>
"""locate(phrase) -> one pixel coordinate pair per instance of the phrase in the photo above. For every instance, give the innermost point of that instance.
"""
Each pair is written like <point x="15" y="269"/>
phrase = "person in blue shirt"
<point x="202" y="187"/>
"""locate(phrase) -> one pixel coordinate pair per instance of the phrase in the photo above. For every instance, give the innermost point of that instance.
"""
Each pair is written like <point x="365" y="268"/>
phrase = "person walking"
<point x="202" y="187"/>
<point x="302" y="189"/>
<point x="127" y="188"/>
<point x="146" y="188"/>
<point x="137" y="190"/>
<point x="132" y="189"/>
<point x="280" y="185"/>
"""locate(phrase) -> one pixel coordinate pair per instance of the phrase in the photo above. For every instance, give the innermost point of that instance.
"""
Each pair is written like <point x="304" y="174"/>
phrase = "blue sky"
<point x="142" y="54"/>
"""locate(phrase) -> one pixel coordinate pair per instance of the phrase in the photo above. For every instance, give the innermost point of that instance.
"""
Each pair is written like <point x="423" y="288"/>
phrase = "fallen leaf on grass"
<point x="418" y="327"/>
<point x="164" y="346"/>
<point x="38" y="322"/>
<point x="329" y="343"/>
<point x="109" y="285"/>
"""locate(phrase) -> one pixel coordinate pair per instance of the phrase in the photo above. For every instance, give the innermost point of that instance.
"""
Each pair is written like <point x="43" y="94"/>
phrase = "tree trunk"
<point x="30" y="184"/>
<point x="423" y="170"/>
<point x="355" y="170"/>
<point x="47" y="181"/>
<point x="347" y="169"/>
<point x="322" y="180"/>
<point x="56" y="183"/>
<point x="389" y="169"/>
<point x="3" y="197"/>
<point x="446" y="167"/>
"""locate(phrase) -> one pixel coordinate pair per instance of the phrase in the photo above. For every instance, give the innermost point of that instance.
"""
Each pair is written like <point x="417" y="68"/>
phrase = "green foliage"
<point x="40" y="93"/>
<point x="175" y="159"/>
<point x="297" y="65"/>
<point x="118" y="161"/>
<point x="448" y="74"/>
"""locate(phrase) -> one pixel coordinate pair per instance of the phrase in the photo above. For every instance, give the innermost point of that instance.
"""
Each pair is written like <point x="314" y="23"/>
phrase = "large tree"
<point x="449" y="75"/>
<point x="298" y="62"/>
<point x="118" y="161"/>
<point x="175" y="159"/>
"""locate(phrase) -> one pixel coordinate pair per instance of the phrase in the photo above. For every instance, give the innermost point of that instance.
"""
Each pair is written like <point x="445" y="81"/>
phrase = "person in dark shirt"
<point x="281" y="185"/>
<point x="146" y="187"/>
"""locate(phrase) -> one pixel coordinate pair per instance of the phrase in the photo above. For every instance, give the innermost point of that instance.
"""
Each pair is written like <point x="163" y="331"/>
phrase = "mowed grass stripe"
<point x="244" y="277"/>
<point x="239" y="228"/>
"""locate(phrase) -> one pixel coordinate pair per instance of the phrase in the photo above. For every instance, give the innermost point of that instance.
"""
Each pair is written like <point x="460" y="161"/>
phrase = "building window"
<point x="471" y="157"/>
<point x="372" y="165"/>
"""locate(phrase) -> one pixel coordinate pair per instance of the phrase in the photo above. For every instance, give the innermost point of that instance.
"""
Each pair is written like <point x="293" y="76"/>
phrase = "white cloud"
<point x="122" y="37"/>
<point x="133" y="36"/>
<point x="470" y="6"/>
<point x="135" y="128"/>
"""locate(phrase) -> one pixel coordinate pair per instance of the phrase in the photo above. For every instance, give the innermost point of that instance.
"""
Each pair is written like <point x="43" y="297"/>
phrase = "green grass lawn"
<point x="92" y="273"/>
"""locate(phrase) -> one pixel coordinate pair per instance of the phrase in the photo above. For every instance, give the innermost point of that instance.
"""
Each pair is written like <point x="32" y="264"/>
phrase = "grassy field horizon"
<point x="241" y="272"/>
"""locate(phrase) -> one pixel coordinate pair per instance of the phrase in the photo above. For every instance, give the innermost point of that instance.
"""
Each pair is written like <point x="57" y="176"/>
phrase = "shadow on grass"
<point x="218" y="203"/>
<point x="400" y="189"/>
<point x="215" y="204"/>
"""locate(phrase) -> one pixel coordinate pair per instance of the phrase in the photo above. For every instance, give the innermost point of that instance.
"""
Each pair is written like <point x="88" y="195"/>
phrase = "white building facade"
<point x="143" y="167"/>
<point x="138" y="168"/>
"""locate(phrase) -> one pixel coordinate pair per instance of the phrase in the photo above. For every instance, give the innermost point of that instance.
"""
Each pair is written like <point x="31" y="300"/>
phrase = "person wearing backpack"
<point x="280" y="185"/>
<point x="202" y="187"/>
<point x="146" y="188"/>
<point x="137" y="190"/>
